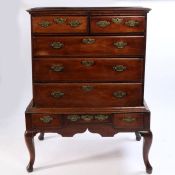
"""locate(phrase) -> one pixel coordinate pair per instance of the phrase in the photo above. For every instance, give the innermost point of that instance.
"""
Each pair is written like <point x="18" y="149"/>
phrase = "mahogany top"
<point x="85" y="10"/>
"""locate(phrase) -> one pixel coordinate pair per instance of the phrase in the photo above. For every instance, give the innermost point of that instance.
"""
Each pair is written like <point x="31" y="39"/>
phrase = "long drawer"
<point x="89" y="46"/>
<point x="88" y="70"/>
<point x="87" y="94"/>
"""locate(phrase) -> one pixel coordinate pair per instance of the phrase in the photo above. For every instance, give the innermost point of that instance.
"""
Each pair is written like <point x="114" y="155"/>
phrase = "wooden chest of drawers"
<point x="88" y="73"/>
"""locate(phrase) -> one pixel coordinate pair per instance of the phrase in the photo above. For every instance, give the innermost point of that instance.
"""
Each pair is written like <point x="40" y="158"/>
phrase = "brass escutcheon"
<point x="87" y="88"/>
<point x="60" y="20"/>
<point x="117" y="20"/>
<point x="132" y="23"/>
<point x="103" y="23"/>
<point x="120" y="44"/>
<point x="87" y="117"/>
<point x="87" y="63"/>
<point x="46" y="119"/>
<point x="129" y="119"/>
<point x="88" y="41"/>
<point x="119" y="68"/>
<point x="57" y="45"/>
<point x="45" y="24"/>
<point x="73" y="118"/>
<point x="119" y="94"/>
<point x="74" y="23"/>
<point x="101" y="117"/>
<point x="57" y="94"/>
<point x="57" y="68"/>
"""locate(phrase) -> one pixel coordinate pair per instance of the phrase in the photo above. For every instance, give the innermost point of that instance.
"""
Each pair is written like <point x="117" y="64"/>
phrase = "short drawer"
<point x="87" y="94"/>
<point x="46" y="120"/>
<point x="117" y="24"/>
<point x="88" y="70"/>
<point x="89" y="46"/>
<point x="130" y="121"/>
<point x="59" y="24"/>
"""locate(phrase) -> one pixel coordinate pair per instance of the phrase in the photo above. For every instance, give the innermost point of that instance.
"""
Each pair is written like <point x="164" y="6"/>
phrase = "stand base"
<point x="107" y="122"/>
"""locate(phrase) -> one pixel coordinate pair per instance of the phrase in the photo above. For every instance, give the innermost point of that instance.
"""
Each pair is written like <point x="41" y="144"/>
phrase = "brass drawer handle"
<point x="46" y="119"/>
<point x="119" y="94"/>
<point x="117" y="20"/>
<point x="74" y="23"/>
<point x="60" y="20"/>
<point x="119" y="68"/>
<point x="73" y="118"/>
<point x="87" y="88"/>
<point x="88" y="41"/>
<point x="45" y="24"/>
<point x="57" y="45"/>
<point x="57" y="94"/>
<point x="87" y="63"/>
<point x="101" y="117"/>
<point x="129" y="119"/>
<point x="103" y="23"/>
<point x="132" y="23"/>
<point x="87" y="117"/>
<point x="120" y="44"/>
<point x="57" y="68"/>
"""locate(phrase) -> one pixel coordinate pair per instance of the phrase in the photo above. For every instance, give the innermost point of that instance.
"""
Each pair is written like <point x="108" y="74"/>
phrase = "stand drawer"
<point x="46" y="120"/>
<point x="131" y="121"/>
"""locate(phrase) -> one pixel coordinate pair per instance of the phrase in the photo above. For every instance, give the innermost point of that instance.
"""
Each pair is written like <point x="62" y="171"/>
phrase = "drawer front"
<point x="128" y="121"/>
<point x="46" y="120"/>
<point x="87" y="118"/>
<point x="59" y="24"/>
<point x="87" y="94"/>
<point x="87" y="70"/>
<point x="89" y="46"/>
<point x="117" y="24"/>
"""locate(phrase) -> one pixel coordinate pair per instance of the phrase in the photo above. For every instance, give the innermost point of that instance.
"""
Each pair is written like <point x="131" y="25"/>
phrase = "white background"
<point x="86" y="153"/>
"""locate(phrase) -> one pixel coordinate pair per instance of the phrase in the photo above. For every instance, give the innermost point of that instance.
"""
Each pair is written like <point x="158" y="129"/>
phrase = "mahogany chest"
<point x="88" y="73"/>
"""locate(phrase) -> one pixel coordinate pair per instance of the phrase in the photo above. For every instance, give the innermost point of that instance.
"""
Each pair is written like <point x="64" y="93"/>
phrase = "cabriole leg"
<point x="29" y="139"/>
<point x="146" y="148"/>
